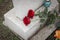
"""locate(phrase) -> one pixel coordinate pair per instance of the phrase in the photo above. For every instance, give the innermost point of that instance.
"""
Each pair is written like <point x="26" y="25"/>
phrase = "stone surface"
<point x="11" y="18"/>
<point x="22" y="6"/>
<point x="44" y="33"/>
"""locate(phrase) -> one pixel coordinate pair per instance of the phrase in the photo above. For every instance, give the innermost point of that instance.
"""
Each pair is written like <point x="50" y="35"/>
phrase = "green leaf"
<point x="37" y="14"/>
<point x="40" y="14"/>
<point x="46" y="10"/>
<point x="58" y="17"/>
<point x="55" y="13"/>
<point x="42" y="20"/>
<point x="51" y="19"/>
<point x="45" y="14"/>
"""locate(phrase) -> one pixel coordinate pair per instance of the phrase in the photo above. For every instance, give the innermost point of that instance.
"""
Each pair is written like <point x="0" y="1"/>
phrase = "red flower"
<point x="30" y="13"/>
<point x="26" y="20"/>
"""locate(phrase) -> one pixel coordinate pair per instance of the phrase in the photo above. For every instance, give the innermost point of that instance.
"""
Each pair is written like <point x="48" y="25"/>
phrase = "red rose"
<point x="26" y="20"/>
<point x="30" y="13"/>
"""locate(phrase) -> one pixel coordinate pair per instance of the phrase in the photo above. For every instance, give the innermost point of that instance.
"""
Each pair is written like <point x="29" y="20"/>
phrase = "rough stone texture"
<point x="5" y="33"/>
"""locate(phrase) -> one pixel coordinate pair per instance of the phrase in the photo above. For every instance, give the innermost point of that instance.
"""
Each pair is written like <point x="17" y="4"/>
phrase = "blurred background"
<point x="5" y="33"/>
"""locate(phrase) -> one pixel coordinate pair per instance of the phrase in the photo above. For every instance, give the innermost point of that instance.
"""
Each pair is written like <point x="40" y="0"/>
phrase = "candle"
<point x="47" y="3"/>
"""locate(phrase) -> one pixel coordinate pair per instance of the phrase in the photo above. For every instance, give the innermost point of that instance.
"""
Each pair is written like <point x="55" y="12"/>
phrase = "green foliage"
<point x="58" y="1"/>
<point x="42" y="14"/>
<point x="51" y="18"/>
<point x="39" y="14"/>
<point x="42" y="20"/>
<point x="46" y="10"/>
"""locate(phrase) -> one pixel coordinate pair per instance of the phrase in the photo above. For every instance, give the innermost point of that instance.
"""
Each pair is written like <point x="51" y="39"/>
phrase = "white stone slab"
<point x="22" y="9"/>
<point x="24" y="3"/>
<point x="44" y="33"/>
<point x="18" y="27"/>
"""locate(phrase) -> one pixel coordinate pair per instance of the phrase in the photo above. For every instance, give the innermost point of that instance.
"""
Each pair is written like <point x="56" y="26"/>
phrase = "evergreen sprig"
<point x="51" y="17"/>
